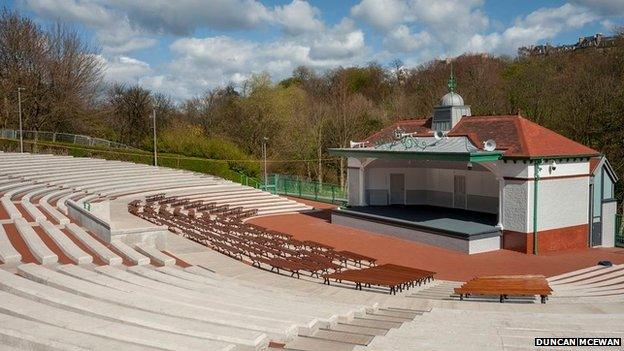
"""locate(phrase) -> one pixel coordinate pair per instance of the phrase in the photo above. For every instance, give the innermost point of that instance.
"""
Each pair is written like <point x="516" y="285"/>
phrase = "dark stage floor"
<point x="447" y="219"/>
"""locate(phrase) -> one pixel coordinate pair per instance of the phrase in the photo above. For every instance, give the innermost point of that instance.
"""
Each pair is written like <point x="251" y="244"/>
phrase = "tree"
<point x="130" y="110"/>
<point x="58" y="69"/>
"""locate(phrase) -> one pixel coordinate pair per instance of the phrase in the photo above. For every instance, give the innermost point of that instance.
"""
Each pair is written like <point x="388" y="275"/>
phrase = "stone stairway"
<point x="359" y="332"/>
<point x="436" y="290"/>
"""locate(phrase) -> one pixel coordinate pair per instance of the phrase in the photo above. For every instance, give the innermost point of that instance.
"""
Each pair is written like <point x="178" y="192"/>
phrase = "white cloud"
<point x="449" y="23"/>
<point x="542" y="24"/>
<point x="182" y="17"/>
<point x="401" y="39"/>
<point x="298" y="17"/>
<point x="381" y="14"/>
<point x="121" y="38"/>
<point x="124" y="69"/>
<point x="344" y="41"/>
<point x="414" y="30"/>
<point x="603" y="7"/>
<point x="89" y="12"/>
<point x="112" y="28"/>
<point x="203" y="63"/>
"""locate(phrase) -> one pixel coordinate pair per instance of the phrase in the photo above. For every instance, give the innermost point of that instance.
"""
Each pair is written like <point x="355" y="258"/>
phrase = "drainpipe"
<point x="536" y="170"/>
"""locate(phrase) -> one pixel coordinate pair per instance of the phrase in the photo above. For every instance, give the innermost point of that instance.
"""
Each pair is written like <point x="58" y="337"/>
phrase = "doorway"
<point x="397" y="189"/>
<point x="459" y="191"/>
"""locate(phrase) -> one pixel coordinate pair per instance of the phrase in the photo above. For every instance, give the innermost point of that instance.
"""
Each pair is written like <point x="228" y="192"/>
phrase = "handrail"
<point x="619" y="234"/>
<point x="70" y="138"/>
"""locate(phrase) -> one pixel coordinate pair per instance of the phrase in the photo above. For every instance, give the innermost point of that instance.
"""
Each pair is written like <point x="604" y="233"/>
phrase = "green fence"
<point x="285" y="185"/>
<point x="619" y="234"/>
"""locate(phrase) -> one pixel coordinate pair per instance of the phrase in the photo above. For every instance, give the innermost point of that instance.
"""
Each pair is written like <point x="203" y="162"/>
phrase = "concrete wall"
<point x="414" y="234"/>
<point x="608" y="223"/>
<point x="516" y="206"/>
<point x="353" y="184"/>
<point x="151" y="235"/>
<point x="87" y="220"/>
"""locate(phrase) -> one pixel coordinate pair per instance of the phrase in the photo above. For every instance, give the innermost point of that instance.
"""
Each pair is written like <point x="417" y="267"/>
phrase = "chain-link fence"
<point x="62" y="138"/>
<point x="619" y="234"/>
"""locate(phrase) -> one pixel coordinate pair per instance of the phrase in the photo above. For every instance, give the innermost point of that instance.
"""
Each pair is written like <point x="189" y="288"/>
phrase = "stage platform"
<point x="455" y="229"/>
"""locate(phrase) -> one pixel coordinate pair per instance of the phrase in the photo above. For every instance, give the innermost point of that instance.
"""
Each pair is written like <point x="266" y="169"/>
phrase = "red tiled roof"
<point x="420" y="126"/>
<point x="593" y="163"/>
<point x="515" y="135"/>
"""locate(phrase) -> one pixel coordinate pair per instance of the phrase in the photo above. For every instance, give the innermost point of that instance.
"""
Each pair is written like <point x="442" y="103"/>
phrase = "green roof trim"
<point x="553" y="157"/>
<point x="481" y="156"/>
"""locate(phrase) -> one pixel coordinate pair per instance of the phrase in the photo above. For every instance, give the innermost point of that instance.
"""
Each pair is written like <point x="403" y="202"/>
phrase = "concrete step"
<point x="559" y="277"/>
<point x="154" y="254"/>
<point x="8" y="253"/>
<point x="350" y="328"/>
<point x="230" y="312"/>
<point x="374" y="323"/>
<point x="341" y="336"/>
<point x="126" y="308"/>
<point x="36" y="246"/>
<point x="397" y="313"/>
<point x="94" y="245"/>
<point x="331" y="310"/>
<point x="381" y="317"/>
<point x="131" y="254"/>
<point x="32" y="310"/>
<point x="311" y="344"/>
<point x="69" y="248"/>
<point x="22" y="334"/>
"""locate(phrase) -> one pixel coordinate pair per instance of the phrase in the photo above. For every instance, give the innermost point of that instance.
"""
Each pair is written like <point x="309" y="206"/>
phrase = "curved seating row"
<point x="34" y="190"/>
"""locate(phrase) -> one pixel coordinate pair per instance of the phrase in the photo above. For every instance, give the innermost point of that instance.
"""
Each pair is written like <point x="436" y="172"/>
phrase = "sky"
<point x="184" y="47"/>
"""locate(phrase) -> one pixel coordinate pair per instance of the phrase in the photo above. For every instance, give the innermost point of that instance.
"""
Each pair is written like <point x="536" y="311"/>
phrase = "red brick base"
<point x="561" y="239"/>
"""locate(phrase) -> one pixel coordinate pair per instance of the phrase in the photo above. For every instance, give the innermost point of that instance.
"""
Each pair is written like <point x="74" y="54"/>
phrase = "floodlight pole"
<point x="154" y="136"/>
<point x="264" y="156"/>
<point x="19" y="108"/>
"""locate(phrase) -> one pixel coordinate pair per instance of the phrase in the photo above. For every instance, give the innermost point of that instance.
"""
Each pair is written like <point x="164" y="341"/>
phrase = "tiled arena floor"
<point x="448" y="264"/>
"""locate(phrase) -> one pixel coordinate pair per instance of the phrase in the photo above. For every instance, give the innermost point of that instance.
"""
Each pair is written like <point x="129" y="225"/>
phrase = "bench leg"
<point x="461" y="297"/>
<point x="502" y="299"/>
<point x="543" y="298"/>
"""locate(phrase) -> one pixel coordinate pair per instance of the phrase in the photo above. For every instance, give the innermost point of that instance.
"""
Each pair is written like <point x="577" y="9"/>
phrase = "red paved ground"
<point x="448" y="264"/>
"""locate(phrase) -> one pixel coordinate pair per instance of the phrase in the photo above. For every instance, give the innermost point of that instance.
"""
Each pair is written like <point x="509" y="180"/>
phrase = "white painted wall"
<point x="438" y="183"/>
<point x="608" y="223"/>
<point x="524" y="170"/>
<point x="561" y="170"/>
<point x="561" y="203"/>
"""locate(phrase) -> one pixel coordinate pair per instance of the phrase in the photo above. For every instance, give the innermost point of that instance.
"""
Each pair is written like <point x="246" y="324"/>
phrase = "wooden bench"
<point x="393" y="276"/>
<point x="356" y="258"/>
<point x="506" y="285"/>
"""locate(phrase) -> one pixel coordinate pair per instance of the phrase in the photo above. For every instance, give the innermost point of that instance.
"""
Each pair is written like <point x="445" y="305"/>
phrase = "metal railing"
<point x="286" y="185"/>
<point x="619" y="234"/>
<point x="69" y="138"/>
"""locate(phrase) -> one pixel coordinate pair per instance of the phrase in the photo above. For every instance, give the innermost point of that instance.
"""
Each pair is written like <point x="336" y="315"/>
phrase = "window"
<point x="597" y="195"/>
<point x="607" y="186"/>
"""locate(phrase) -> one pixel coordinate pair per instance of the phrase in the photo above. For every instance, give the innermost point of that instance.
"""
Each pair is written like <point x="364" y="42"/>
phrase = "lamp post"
<point x="19" y="108"/>
<point x="264" y="156"/>
<point x="154" y="128"/>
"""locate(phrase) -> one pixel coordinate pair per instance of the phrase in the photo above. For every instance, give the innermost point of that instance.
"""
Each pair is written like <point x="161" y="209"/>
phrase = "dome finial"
<point x="452" y="84"/>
